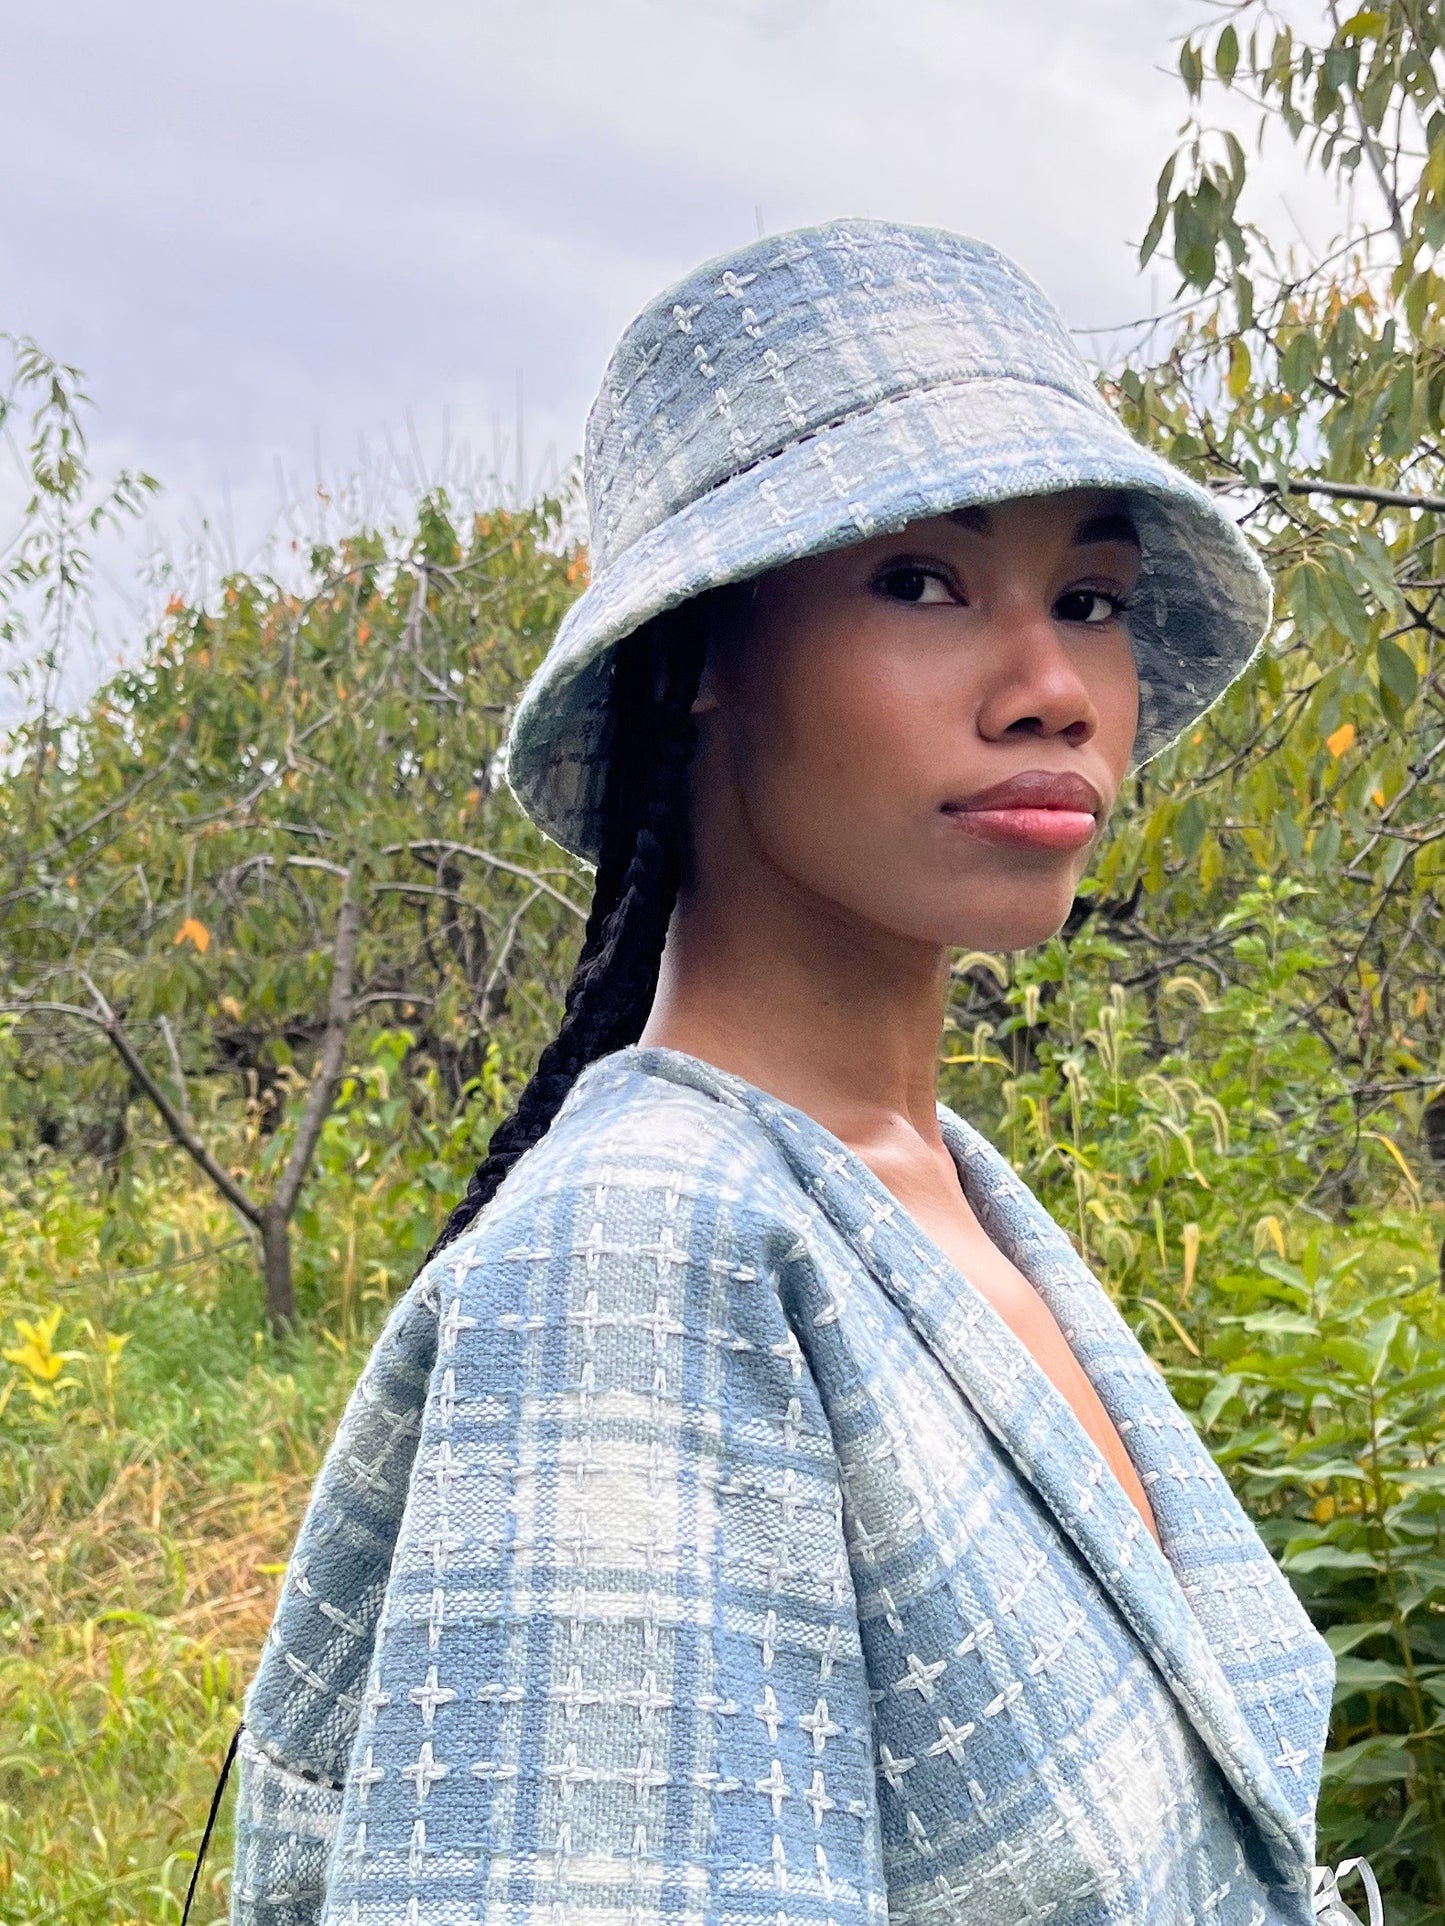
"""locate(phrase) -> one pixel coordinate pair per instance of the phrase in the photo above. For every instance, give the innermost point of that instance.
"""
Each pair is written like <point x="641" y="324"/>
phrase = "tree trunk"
<point x="276" y="1260"/>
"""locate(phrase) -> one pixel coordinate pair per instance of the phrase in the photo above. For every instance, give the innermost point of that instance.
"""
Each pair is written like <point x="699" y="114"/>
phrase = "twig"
<point x="329" y="1061"/>
<point x="495" y="862"/>
<point x="104" y="1019"/>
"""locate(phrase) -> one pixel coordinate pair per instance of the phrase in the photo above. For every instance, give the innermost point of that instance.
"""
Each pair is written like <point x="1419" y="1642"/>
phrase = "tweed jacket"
<point x="700" y="1547"/>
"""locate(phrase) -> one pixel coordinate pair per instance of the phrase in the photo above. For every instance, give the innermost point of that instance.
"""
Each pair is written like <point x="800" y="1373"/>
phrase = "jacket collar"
<point x="1035" y="1424"/>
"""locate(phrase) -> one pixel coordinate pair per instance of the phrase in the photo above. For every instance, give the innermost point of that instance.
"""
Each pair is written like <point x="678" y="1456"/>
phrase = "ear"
<point x="729" y="610"/>
<point x="707" y="698"/>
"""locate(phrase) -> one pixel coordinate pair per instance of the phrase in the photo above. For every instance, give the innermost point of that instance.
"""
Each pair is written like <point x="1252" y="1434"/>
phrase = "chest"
<point x="942" y="1212"/>
<point x="1012" y="1703"/>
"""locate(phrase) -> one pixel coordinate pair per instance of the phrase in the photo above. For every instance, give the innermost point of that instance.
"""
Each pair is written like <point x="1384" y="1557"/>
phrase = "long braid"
<point x="654" y="684"/>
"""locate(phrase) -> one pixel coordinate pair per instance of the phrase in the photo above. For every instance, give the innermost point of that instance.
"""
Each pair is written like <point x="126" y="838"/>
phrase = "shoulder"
<point x="630" y="1146"/>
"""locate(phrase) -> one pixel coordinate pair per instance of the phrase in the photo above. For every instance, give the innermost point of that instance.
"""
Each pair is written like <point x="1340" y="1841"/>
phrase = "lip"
<point x="1036" y="809"/>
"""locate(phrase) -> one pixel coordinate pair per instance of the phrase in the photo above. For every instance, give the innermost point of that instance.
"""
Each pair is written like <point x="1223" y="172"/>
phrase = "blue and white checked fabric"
<point x="820" y="387"/>
<point x="699" y="1548"/>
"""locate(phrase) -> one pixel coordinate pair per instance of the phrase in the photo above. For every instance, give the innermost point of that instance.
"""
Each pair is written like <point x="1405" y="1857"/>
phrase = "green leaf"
<point x="1378" y="1761"/>
<point x="1397" y="671"/>
<point x="1189" y="827"/>
<point x="1279" y="1324"/>
<point x="1161" y="211"/>
<point x="1325" y="848"/>
<point x="1329" y="1558"/>
<point x="1365" y="1675"/>
<point x="1219" y="1394"/>
<point x="1344" y="1638"/>
<point x="1367" y="24"/>
<point x="1226" y="54"/>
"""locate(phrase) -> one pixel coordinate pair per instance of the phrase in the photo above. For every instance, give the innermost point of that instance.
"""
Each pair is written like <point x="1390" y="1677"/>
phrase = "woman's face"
<point x="856" y="726"/>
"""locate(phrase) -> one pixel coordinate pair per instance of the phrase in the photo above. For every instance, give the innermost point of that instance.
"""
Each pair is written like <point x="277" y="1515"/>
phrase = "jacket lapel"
<point x="1037" y="1427"/>
<point x="1188" y="1494"/>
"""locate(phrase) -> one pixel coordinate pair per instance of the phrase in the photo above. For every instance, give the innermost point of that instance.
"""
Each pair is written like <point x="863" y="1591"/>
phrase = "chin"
<point x="1027" y="914"/>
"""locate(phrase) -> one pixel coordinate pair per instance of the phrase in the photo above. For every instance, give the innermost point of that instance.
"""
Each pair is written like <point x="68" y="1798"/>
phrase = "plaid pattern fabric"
<point x="699" y="1546"/>
<point x="820" y="387"/>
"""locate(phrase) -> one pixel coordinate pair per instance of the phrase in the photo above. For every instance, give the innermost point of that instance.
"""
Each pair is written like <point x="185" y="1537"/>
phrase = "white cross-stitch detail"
<point x="425" y="1771"/>
<point x="779" y="1858"/>
<point x="775" y="1787"/>
<point x="768" y="1714"/>
<point x="918" y="1833"/>
<point x="568" y="1774"/>
<point x="819" y="1726"/>
<point x="453" y="1324"/>
<point x="647" y="1700"/>
<point x="643" y="1775"/>
<point x="817" y="1798"/>
<point x="828" y="1656"/>
<point x="430" y="1696"/>
<point x="445" y="1468"/>
<point x="495" y="1693"/>
<point x="365" y="1776"/>
<point x="920" y="1678"/>
<point x="952" y="1739"/>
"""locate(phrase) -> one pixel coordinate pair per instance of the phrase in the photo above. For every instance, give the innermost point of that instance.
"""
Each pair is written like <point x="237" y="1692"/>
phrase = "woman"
<point x="756" y="1511"/>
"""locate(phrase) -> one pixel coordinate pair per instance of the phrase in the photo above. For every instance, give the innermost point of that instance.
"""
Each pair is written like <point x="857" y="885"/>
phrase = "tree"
<point x="1231" y="1071"/>
<point x="288" y="822"/>
<point x="1308" y="393"/>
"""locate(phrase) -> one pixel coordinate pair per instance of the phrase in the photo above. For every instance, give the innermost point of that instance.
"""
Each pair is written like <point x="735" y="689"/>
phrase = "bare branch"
<point x="1357" y="492"/>
<point x="104" y="1019"/>
<point x="176" y="1071"/>
<point x="436" y="845"/>
<point x="339" y="1012"/>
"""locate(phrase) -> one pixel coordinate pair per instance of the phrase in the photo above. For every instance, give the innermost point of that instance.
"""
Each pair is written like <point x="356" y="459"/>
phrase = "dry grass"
<point x="148" y="1512"/>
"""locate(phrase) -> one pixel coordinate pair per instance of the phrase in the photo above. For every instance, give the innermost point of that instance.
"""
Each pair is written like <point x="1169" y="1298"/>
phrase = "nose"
<point x="1037" y="688"/>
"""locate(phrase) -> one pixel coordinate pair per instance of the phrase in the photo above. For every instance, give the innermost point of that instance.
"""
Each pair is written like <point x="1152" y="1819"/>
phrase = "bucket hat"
<point x="820" y="387"/>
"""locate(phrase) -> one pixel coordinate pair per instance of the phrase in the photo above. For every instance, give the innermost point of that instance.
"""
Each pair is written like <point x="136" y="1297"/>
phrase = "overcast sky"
<point x="291" y="238"/>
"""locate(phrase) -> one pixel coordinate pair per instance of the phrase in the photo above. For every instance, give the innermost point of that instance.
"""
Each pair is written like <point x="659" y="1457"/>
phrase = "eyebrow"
<point x="1114" y="526"/>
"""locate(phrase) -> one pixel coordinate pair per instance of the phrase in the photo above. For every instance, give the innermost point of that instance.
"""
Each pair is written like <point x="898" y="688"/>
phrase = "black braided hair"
<point x="644" y="836"/>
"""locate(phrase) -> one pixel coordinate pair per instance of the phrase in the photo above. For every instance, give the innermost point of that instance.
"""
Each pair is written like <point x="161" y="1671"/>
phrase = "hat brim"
<point x="1197" y="616"/>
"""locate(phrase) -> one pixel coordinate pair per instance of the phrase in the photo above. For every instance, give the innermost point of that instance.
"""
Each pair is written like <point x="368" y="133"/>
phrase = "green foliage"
<point x="1184" y="1140"/>
<point x="281" y="833"/>
<point x="1226" y="1076"/>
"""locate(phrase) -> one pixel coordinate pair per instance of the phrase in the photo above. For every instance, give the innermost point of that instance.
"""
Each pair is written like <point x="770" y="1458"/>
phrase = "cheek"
<point x="842" y="725"/>
<point x="1114" y="692"/>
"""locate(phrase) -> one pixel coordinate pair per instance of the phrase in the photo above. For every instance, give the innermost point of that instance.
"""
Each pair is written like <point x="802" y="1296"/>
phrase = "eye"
<point x="912" y="582"/>
<point x="1089" y="606"/>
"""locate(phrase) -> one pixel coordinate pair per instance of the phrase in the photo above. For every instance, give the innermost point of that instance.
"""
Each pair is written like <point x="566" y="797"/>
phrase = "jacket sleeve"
<point x="305" y="1701"/>
<point x="617" y="1674"/>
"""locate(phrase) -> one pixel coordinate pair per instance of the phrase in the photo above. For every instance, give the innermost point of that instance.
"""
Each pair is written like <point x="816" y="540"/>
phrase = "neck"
<point x="824" y="1011"/>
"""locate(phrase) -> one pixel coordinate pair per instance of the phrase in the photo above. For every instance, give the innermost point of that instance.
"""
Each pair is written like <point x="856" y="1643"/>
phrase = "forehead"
<point x="1075" y="516"/>
<point x="1079" y="514"/>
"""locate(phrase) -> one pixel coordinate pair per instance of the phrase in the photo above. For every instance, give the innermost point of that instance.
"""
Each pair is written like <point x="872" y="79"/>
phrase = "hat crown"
<point x="760" y="349"/>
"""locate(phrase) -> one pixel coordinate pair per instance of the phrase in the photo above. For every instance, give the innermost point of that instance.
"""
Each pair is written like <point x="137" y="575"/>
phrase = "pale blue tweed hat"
<point x="820" y="387"/>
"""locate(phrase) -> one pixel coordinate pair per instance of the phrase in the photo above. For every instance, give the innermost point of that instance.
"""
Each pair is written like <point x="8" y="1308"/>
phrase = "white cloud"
<point x="269" y="231"/>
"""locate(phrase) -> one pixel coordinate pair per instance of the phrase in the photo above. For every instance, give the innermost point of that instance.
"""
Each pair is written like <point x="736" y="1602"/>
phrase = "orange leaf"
<point x="194" y="931"/>
<point x="1377" y="797"/>
<point x="1342" y="739"/>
